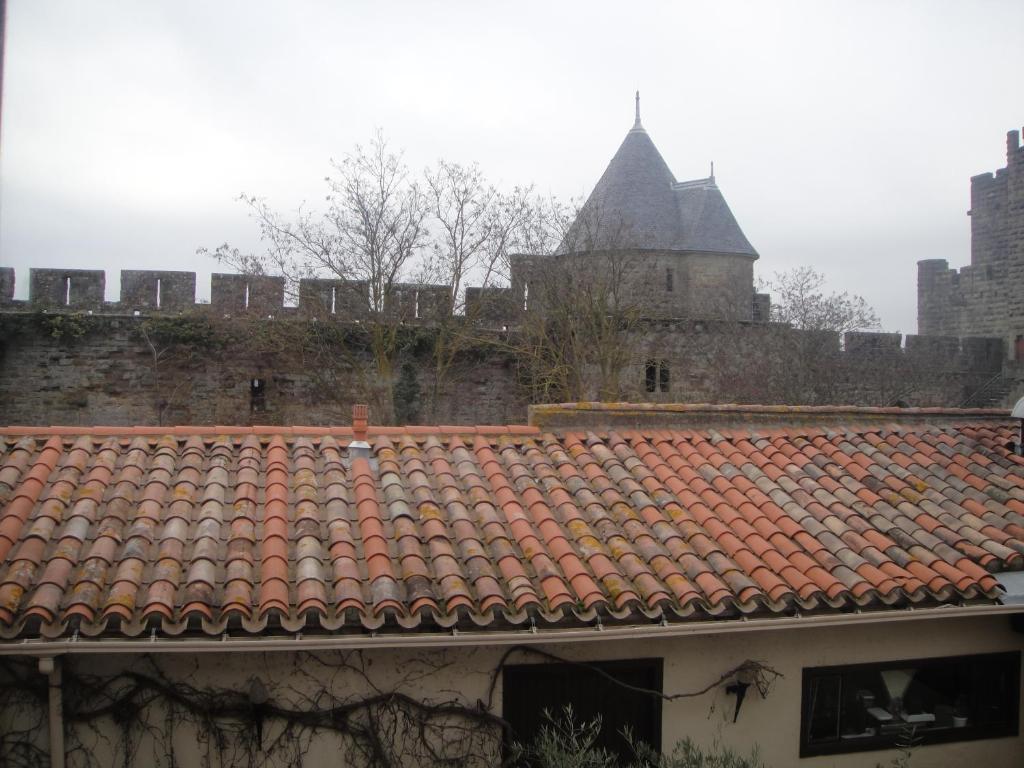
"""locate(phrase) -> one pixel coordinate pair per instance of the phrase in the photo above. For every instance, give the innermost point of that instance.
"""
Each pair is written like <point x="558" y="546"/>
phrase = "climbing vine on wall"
<point x="139" y="716"/>
<point x="59" y="326"/>
<point x="147" y="713"/>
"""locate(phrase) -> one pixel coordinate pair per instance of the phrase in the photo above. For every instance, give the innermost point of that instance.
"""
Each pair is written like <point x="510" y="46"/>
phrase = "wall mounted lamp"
<point x="744" y="679"/>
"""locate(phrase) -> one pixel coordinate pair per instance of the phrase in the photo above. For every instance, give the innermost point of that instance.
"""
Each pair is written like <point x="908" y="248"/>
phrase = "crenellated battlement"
<point x="162" y="291"/>
<point x="156" y="291"/>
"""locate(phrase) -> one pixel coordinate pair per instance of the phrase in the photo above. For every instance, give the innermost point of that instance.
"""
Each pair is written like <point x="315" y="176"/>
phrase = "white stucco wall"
<point x="772" y="724"/>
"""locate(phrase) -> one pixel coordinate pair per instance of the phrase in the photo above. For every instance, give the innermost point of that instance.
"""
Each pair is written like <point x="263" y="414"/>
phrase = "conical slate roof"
<point x="637" y="204"/>
<point x="707" y="224"/>
<point x="632" y="205"/>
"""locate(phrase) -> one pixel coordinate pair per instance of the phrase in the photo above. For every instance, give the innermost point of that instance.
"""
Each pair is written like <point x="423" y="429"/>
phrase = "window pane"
<point x="529" y="690"/>
<point x="873" y="706"/>
<point x="823" y="708"/>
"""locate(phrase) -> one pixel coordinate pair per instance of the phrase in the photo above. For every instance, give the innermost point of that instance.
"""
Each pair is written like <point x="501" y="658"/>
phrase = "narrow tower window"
<point x="657" y="376"/>
<point x="257" y="396"/>
<point x="651" y="375"/>
<point x="669" y="280"/>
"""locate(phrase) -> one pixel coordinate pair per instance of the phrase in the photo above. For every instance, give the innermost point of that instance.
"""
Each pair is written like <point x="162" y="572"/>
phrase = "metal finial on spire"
<point x="637" y="123"/>
<point x="712" y="177"/>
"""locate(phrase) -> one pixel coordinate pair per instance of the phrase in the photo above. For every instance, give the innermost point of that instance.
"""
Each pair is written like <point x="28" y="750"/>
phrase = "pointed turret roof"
<point x="707" y="224"/>
<point x="637" y="204"/>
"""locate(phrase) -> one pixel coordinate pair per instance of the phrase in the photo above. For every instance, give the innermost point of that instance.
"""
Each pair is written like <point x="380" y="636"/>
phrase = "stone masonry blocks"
<point x="266" y="295"/>
<point x="490" y="305"/>
<point x="413" y="301"/>
<point x="944" y="348"/>
<point x="858" y="342"/>
<point x="69" y="288"/>
<point x="666" y="284"/>
<point x="229" y="293"/>
<point x="6" y="284"/>
<point x="235" y="294"/>
<point x="321" y="297"/>
<point x="106" y="376"/>
<point x="433" y="302"/>
<point x="317" y="297"/>
<point x="154" y="289"/>
<point x="762" y="308"/>
<point x="986" y="297"/>
<point x="981" y="353"/>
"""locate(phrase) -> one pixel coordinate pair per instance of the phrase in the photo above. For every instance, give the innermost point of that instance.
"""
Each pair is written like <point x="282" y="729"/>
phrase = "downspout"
<point x="50" y="666"/>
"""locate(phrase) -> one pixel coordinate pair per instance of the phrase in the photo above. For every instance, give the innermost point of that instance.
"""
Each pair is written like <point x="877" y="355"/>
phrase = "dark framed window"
<point x="605" y="688"/>
<point x="669" y="279"/>
<point x="257" y="395"/>
<point x="664" y="376"/>
<point x="651" y="376"/>
<point x="657" y="376"/>
<point x="875" y="706"/>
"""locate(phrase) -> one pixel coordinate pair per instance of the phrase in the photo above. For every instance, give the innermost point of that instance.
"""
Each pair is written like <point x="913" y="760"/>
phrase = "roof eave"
<point x="438" y="640"/>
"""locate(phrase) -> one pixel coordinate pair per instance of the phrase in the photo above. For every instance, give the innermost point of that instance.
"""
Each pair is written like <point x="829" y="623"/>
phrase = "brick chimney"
<point x="360" y="414"/>
<point x="359" y="448"/>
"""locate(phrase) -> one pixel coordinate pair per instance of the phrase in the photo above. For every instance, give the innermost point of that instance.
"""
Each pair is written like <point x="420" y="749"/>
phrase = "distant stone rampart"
<point x="156" y="292"/>
<point x="245" y="359"/>
<point x="986" y="297"/>
<point x="148" y="291"/>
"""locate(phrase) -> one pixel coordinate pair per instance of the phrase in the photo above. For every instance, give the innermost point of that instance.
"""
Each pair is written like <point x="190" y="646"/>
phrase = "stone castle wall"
<point x="666" y="284"/>
<point x="67" y="357"/>
<point x="985" y="298"/>
<point x="121" y="369"/>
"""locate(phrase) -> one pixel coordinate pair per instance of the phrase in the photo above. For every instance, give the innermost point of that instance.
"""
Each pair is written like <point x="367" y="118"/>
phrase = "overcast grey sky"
<point x="843" y="134"/>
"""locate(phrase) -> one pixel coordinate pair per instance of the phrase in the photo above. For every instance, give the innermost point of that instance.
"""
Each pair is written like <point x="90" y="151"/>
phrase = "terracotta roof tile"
<point x="496" y="523"/>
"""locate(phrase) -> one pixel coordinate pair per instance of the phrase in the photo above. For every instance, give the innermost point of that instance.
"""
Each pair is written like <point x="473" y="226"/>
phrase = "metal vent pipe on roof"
<point x="1018" y="413"/>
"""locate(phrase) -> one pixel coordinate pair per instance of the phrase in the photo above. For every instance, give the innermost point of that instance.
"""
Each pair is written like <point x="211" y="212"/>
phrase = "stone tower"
<point x="985" y="298"/>
<point x="686" y="254"/>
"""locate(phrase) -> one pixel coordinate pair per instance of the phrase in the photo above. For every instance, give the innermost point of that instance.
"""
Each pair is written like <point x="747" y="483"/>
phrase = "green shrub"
<point x="687" y="754"/>
<point x="564" y="743"/>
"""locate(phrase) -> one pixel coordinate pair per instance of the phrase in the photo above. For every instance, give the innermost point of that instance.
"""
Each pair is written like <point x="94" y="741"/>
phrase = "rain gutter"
<point x="453" y="639"/>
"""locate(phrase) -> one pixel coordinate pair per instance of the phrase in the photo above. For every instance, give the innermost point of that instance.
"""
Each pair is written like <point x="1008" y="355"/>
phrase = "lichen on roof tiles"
<point x="195" y="532"/>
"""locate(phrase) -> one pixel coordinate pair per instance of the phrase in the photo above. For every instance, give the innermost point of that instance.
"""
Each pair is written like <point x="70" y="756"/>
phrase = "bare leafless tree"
<point x="473" y="229"/>
<point x="393" y="243"/>
<point x="574" y="339"/>
<point x="473" y="225"/>
<point x="799" y="300"/>
<point x="370" y="237"/>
